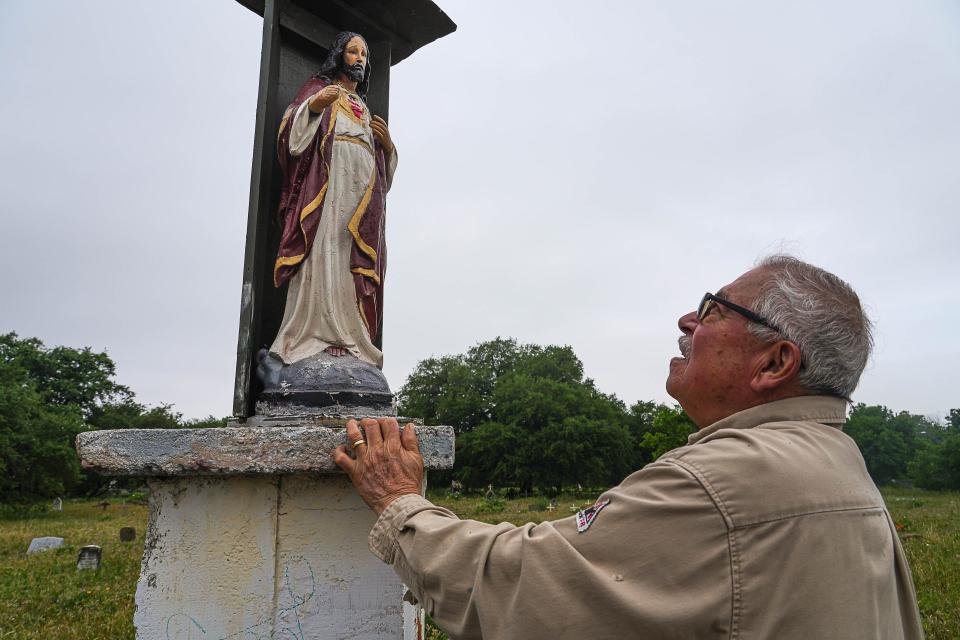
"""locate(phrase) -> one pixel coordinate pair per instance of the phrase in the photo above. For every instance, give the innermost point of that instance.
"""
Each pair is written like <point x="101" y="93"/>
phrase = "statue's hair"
<point x="821" y="314"/>
<point x="330" y="67"/>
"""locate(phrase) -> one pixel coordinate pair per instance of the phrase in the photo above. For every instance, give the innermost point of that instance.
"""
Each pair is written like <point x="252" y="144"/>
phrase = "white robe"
<point x="321" y="308"/>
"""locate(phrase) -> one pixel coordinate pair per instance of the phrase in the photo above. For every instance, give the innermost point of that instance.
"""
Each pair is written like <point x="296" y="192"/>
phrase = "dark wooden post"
<point x="380" y="80"/>
<point x="255" y="260"/>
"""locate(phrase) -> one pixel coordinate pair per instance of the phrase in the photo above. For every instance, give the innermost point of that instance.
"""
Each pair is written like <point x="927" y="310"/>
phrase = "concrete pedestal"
<point x="253" y="535"/>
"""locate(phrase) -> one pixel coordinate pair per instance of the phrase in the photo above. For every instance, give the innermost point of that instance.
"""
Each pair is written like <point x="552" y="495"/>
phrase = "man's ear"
<point x="775" y="367"/>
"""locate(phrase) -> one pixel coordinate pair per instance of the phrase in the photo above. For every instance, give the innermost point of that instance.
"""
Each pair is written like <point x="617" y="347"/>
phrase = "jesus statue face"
<point x="354" y="61"/>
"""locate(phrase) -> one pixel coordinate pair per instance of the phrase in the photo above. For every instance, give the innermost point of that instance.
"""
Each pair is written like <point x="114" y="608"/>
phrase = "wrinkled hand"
<point x="382" y="134"/>
<point x="388" y="465"/>
<point x="324" y="98"/>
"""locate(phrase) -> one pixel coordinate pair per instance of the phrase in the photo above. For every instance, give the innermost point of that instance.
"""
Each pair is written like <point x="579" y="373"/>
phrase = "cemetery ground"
<point x="44" y="596"/>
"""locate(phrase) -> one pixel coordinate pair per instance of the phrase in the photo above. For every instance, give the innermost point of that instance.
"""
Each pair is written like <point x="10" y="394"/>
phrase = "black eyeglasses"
<point x="709" y="299"/>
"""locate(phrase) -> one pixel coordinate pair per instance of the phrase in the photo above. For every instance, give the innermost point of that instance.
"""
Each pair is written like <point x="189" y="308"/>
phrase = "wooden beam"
<point x="373" y="22"/>
<point x="307" y="25"/>
<point x="378" y="98"/>
<point x="258" y="218"/>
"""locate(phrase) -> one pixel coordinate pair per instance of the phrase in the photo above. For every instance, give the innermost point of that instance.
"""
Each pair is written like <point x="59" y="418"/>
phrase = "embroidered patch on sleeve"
<point x="586" y="517"/>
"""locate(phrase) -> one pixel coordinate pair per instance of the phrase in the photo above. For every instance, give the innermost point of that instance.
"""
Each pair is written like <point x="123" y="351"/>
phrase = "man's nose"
<point x="688" y="322"/>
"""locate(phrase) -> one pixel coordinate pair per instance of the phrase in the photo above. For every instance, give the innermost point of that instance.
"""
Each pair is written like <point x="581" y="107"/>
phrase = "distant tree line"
<point x="525" y="415"/>
<point x="47" y="397"/>
<point x="905" y="447"/>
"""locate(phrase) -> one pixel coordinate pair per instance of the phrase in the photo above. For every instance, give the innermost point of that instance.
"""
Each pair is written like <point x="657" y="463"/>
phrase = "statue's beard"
<point x="354" y="73"/>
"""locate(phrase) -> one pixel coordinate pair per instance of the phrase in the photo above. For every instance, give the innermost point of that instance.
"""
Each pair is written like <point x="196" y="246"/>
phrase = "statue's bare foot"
<point x="337" y="351"/>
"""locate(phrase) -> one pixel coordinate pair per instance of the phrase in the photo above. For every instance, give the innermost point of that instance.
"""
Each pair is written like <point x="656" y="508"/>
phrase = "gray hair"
<point x="821" y="314"/>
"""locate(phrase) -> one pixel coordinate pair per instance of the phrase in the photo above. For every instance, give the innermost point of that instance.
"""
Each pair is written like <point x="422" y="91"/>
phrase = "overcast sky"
<point x="567" y="175"/>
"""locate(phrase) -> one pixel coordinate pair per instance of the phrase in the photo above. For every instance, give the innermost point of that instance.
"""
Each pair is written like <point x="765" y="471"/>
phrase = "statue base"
<point x="319" y="384"/>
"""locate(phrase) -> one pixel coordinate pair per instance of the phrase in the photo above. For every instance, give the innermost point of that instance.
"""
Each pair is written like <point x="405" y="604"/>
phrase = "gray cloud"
<point x="568" y="176"/>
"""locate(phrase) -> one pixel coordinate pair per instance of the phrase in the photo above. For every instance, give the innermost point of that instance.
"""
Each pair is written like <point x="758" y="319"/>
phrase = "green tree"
<point x="581" y="451"/>
<point x="459" y="390"/>
<point x="65" y="376"/>
<point x="888" y="441"/>
<point x="47" y="397"/>
<point x="670" y="429"/>
<point x="524" y="414"/>
<point x="937" y="461"/>
<point x="130" y="414"/>
<point x="493" y="453"/>
<point x="37" y="459"/>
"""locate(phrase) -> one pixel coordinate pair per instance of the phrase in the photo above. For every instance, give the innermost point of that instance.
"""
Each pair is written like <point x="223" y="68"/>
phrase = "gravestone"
<point x="57" y="504"/>
<point x="128" y="534"/>
<point x="44" y="544"/>
<point x="89" y="558"/>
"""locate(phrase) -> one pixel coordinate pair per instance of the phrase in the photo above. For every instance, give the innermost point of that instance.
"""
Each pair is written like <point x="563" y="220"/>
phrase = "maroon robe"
<point x="301" y="203"/>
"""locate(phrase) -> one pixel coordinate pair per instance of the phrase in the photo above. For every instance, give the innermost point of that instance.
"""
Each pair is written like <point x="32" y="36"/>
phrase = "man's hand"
<point x="388" y="465"/>
<point x="324" y="98"/>
<point x="382" y="134"/>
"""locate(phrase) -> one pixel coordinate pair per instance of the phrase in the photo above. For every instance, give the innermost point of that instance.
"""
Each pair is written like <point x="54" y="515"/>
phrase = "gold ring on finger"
<point x="358" y="443"/>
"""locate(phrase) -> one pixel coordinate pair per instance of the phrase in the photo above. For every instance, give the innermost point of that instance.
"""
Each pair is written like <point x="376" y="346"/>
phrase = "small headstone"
<point x="127" y="534"/>
<point x="89" y="557"/>
<point x="58" y="504"/>
<point x="456" y="488"/>
<point x="44" y="544"/>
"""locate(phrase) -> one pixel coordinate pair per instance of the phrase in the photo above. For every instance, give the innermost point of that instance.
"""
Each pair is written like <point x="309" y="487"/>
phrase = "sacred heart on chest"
<point x="355" y="107"/>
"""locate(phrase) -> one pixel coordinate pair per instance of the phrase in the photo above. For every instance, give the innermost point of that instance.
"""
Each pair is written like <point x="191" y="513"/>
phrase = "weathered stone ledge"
<point x="234" y="450"/>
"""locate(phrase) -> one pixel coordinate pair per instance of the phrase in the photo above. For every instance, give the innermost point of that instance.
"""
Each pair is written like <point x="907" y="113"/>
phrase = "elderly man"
<point x="766" y="525"/>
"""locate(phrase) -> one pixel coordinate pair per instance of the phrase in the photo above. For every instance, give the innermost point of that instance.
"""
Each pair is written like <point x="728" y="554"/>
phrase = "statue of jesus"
<point x="337" y="161"/>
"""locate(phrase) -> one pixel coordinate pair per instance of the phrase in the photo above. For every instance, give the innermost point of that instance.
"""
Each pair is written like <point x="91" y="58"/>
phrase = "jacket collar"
<point x="828" y="410"/>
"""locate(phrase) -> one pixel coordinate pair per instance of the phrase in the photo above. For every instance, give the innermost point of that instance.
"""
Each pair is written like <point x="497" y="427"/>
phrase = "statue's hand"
<point x="382" y="134"/>
<point x="324" y="98"/>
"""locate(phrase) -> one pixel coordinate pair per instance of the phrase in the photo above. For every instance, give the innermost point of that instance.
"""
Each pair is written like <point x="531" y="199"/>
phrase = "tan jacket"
<point x="766" y="525"/>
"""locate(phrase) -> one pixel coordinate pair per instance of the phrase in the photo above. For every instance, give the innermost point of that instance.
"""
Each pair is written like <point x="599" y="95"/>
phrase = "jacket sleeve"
<point x="655" y="562"/>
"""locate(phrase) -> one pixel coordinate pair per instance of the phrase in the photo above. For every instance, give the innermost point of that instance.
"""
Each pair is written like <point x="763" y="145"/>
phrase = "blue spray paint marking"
<point x="189" y="631"/>
<point x="257" y="631"/>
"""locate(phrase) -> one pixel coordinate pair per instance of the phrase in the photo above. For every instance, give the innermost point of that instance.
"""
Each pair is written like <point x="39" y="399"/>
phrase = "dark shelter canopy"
<point x="406" y="24"/>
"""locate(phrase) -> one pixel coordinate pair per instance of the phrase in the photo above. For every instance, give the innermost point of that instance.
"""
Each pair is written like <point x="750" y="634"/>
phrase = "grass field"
<point x="43" y="596"/>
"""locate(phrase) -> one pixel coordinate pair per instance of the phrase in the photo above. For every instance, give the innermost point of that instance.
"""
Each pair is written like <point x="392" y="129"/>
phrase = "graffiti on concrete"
<point x="183" y="626"/>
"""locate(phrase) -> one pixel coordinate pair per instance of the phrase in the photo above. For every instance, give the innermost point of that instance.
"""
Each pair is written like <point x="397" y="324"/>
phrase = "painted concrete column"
<point x="253" y="534"/>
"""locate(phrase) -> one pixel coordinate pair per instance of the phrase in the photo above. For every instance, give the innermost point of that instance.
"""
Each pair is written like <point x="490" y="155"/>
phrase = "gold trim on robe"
<point x="354" y="224"/>
<point x="355" y="140"/>
<point x="363" y="316"/>
<point x="370" y="273"/>
<point x="284" y="261"/>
